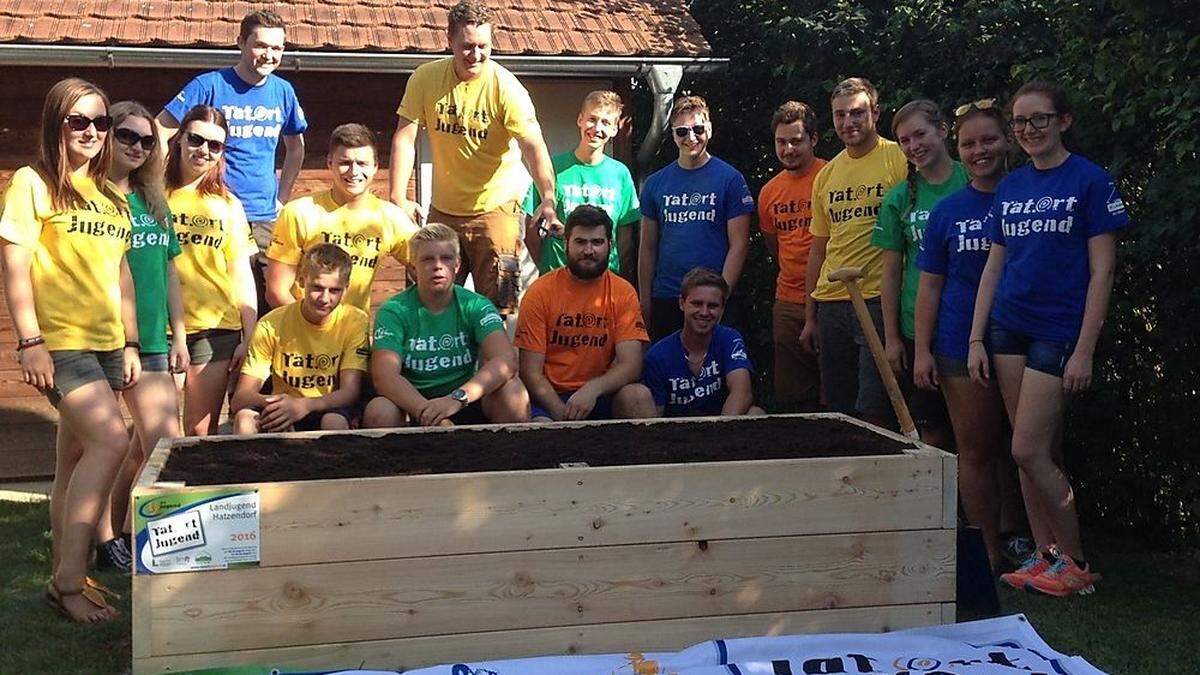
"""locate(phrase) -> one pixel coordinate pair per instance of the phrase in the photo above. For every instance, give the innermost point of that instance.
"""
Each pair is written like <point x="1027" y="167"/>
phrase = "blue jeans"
<point x="849" y="377"/>
<point x="1045" y="356"/>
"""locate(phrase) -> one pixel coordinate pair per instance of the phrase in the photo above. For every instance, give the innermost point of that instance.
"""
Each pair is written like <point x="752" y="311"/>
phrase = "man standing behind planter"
<point x="581" y="333"/>
<point x="429" y="339"/>
<point x="314" y="353"/>
<point x="260" y="107"/>
<point x="703" y="368"/>
<point x="586" y="175"/>
<point x="695" y="213"/>
<point x="784" y="215"/>
<point x="347" y="214"/>
<point x="481" y="123"/>
<point x="846" y="196"/>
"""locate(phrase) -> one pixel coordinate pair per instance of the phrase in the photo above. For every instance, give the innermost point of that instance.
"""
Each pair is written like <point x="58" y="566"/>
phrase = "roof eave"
<point x="16" y="54"/>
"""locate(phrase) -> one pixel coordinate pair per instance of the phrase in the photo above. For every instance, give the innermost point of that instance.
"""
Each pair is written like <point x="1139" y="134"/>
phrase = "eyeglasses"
<point x="214" y="146"/>
<point x="1037" y="120"/>
<point x="981" y="104"/>
<point x="697" y="129"/>
<point x="131" y="138"/>
<point x="77" y="122"/>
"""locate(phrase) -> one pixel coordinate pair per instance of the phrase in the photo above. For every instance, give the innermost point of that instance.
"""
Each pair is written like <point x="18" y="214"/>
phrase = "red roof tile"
<point x="549" y="27"/>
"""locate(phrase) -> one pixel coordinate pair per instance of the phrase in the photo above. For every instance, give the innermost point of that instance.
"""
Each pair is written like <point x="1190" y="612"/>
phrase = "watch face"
<point x="459" y="395"/>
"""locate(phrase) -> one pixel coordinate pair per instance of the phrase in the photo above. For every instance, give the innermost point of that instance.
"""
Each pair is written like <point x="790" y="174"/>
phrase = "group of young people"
<point x="142" y="253"/>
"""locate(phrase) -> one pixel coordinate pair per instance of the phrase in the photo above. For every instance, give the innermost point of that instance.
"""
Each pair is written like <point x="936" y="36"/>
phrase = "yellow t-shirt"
<point x="367" y="233"/>
<point x="846" y="195"/>
<point x="303" y="359"/>
<point x="76" y="266"/>
<point x="472" y="129"/>
<point x="213" y="235"/>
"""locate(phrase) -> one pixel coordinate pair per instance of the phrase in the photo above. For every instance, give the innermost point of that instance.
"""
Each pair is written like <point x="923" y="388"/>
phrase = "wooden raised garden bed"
<point x="413" y="547"/>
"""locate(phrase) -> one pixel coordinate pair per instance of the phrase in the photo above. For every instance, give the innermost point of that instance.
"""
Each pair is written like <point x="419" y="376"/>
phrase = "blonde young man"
<point x="348" y="214"/>
<point x="441" y="355"/>
<point x="695" y="213"/>
<point x="314" y="352"/>
<point x="586" y="175"/>
<point x="847" y="193"/>
<point x="481" y="123"/>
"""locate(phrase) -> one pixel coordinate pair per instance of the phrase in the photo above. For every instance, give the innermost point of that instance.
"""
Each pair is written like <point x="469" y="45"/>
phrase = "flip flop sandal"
<point x="94" y="585"/>
<point x="54" y="595"/>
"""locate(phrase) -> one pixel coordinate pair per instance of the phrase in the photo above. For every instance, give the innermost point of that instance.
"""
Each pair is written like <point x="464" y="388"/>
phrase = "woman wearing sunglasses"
<point x="137" y="172"/>
<point x="219" y="296"/>
<point x="1042" y="300"/>
<point x="64" y="232"/>
<point x="921" y="131"/>
<point x="951" y="259"/>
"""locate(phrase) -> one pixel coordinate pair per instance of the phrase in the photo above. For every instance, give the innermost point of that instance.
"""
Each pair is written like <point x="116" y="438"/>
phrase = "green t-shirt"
<point x="153" y="245"/>
<point x="438" y="352"/>
<point x="900" y="227"/>
<point x="607" y="185"/>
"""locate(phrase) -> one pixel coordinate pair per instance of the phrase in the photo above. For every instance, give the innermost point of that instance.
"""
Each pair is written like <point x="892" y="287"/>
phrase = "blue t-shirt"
<point x="683" y="394"/>
<point x="955" y="247"/>
<point x="257" y="116"/>
<point x="1044" y="220"/>
<point x="692" y="208"/>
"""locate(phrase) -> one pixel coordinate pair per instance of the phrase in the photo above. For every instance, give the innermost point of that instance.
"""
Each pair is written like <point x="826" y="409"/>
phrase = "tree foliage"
<point x="1133" y="70"/>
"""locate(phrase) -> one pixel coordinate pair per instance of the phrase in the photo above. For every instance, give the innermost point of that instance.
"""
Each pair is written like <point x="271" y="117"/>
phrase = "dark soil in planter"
<point x="351" y="455"/>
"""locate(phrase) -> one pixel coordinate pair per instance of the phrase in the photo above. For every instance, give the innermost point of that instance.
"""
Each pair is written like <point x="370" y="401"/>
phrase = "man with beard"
<point x="784" y="214"/>
<point x="702" y="368"/>
<point x="440" y="354"/>
<point x="586" y="175"/>
<point x="846" y="196"/>
<point x="580" y="332"/>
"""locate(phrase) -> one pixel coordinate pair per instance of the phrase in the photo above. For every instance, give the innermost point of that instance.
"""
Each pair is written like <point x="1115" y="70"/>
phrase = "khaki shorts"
<point x="74" y="368"/>
<point x="489" y="251"/>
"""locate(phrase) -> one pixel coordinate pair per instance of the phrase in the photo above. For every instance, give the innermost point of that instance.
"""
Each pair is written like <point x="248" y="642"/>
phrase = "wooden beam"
<point x="315" y="604"/>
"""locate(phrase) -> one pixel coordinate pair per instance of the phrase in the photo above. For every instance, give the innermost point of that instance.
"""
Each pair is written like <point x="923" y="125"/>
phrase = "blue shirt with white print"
<point x="257" y="116"/>
<point x="683" y="394"/>
<point x="1044" y="219"/>
<point x="693" y="208"/>
<point x="955" y="247"/>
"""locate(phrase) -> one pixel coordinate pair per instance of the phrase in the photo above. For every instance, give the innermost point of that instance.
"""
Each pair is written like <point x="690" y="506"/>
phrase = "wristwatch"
<point x="460" y="395"/>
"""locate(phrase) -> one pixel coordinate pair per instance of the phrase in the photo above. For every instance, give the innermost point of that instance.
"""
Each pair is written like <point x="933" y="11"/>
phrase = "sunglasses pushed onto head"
<point x="981" y="104"/>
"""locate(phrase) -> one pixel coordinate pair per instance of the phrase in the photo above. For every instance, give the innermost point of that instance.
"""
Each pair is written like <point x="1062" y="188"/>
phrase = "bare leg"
<point x="67" y="451"/>
<point x="334" y="422"/>
<point x="245" y="422"/>
<point x="203" y="395"/>
<point x="1010" y="371"/>
<point x="381" y="413"/>
<point x="509" y="403"/>
<point x="1036" y="428"/>
<point x="633" y="401"/>
<point x="94" y="419"/>
<point x="977" y="415"/>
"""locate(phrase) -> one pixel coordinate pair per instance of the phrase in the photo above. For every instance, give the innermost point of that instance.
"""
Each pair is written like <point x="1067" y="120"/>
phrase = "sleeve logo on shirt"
<point x="748" y="200"/>
<point x="381" y="332"/>
<point x="739" y="351"/>
<point x="490" y="318"/>
<point x="1115" y="205"/>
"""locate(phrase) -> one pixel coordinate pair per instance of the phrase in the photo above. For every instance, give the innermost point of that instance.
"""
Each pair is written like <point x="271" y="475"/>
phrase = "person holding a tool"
<point x="846" y="196"/>
<point x="585" y="175"/>
<point x="481" y="124"/>
<point x="1042" y="300"/>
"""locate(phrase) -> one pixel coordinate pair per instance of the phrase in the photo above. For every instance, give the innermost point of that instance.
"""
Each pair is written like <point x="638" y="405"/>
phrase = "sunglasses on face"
<point x="77" y="122"/>
<point x="1037" y="121"/>
<point x="131" y="138"/>
<point x="697" y="129"/>
<point x="214" y="146"/>
<point x="981" y="104"/>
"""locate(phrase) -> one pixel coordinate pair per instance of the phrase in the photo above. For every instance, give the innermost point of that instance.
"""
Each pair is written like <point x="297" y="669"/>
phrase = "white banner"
<point x="1001" y="646"/>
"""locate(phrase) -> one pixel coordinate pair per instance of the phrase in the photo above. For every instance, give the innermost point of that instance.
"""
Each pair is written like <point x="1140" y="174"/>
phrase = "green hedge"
<point x="1133" y="69"/>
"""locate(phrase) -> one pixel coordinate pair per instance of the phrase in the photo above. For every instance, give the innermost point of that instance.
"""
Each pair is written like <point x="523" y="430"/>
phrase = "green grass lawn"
<point x="1143" y="618"/>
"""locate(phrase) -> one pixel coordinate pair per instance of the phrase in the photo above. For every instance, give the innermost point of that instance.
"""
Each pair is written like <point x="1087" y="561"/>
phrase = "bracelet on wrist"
<point x="971" y="342"/>
<point x="30" y="342"/>
<point x="134" y="344"/>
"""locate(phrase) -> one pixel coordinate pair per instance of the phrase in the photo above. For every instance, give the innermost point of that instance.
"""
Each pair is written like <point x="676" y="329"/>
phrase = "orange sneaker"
<point x="1065" y="577"/>
<point x="1035" y="565"/>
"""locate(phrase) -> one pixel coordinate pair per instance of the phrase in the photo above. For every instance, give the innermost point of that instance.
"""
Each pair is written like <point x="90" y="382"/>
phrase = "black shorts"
<point x="927" y="406"/>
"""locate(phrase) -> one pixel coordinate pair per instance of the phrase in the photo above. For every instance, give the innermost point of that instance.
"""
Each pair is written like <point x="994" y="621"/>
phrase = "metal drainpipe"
<point x="664" y="81"/>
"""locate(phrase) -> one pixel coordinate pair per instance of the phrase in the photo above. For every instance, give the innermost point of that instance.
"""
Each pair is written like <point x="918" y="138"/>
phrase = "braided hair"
<point x="933" y="115"/>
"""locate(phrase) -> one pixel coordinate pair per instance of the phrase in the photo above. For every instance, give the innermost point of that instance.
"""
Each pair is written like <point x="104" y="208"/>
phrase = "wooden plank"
<point x="519" y="510"/>
<point x="949" y="491"/>
<point x="646" y="636"/>
<point x="315" y="604"/>
<point x="24" y="463"/>
<point x="949" y="612"/>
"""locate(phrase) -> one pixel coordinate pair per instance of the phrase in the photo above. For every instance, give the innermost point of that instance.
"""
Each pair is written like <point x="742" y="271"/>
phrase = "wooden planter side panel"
<point x="667" y="635"/>
<point x="404" y="517"/>
<point x="374" y="600"/>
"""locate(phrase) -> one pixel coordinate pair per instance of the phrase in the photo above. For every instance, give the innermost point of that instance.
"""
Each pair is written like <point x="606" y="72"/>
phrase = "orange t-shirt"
<point x="785" y="210"/>
<point x="577" y="324"/>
